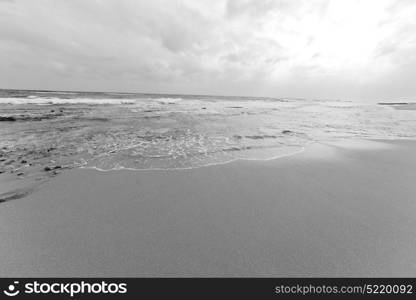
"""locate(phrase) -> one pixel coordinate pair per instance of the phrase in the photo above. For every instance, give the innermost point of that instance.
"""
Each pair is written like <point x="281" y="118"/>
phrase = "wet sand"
<point x="341" y="209"/>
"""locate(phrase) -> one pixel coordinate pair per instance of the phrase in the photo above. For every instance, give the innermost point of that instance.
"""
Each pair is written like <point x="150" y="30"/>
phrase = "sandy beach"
<point x="340" y="209"/>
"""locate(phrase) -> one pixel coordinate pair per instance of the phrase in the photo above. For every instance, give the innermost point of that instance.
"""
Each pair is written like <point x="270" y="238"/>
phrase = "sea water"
<point x="108" y="131"/>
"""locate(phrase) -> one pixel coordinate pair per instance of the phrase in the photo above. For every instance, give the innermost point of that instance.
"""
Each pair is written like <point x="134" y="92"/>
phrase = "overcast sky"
<point x="313" y="48"/>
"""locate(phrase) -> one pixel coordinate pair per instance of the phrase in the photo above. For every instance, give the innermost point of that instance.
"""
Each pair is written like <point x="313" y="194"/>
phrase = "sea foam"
<point x="53" y="100"/>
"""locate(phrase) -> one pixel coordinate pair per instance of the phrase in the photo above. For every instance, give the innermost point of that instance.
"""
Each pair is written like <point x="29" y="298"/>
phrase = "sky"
<point x="335" y="49"/>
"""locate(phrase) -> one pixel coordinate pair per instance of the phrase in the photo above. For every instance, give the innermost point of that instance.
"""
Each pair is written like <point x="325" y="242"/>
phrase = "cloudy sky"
<point x="296" y="48"/>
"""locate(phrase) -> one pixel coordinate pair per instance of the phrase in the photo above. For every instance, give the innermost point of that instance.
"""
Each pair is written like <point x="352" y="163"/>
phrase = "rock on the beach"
<point x="7" y="119"/>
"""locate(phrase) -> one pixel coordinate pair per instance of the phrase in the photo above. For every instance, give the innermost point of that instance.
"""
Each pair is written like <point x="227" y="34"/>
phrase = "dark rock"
<point x="7" y="119"/>
<point x="97" y="119"/>
<point x="57" y="167"/>
<point x="393" y="103"/>
<point x="24" y="162"/>
<point x="16" y="194"/>
<point x="286" y="131"/>
<point x="47" y="169"/>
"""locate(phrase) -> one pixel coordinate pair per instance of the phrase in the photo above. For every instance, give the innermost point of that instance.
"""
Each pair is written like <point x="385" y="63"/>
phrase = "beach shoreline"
<point x="335" y="209"/>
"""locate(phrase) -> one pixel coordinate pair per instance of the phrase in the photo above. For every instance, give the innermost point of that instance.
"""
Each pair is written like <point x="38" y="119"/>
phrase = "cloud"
<point x="262" y="47"/>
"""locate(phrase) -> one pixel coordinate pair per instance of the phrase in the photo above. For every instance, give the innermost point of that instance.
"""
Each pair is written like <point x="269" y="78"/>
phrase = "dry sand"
<point x="345" y="209"/>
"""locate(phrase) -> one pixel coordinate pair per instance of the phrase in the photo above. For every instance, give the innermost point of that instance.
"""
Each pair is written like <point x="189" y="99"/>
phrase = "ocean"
<point x="53" y="130"/>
